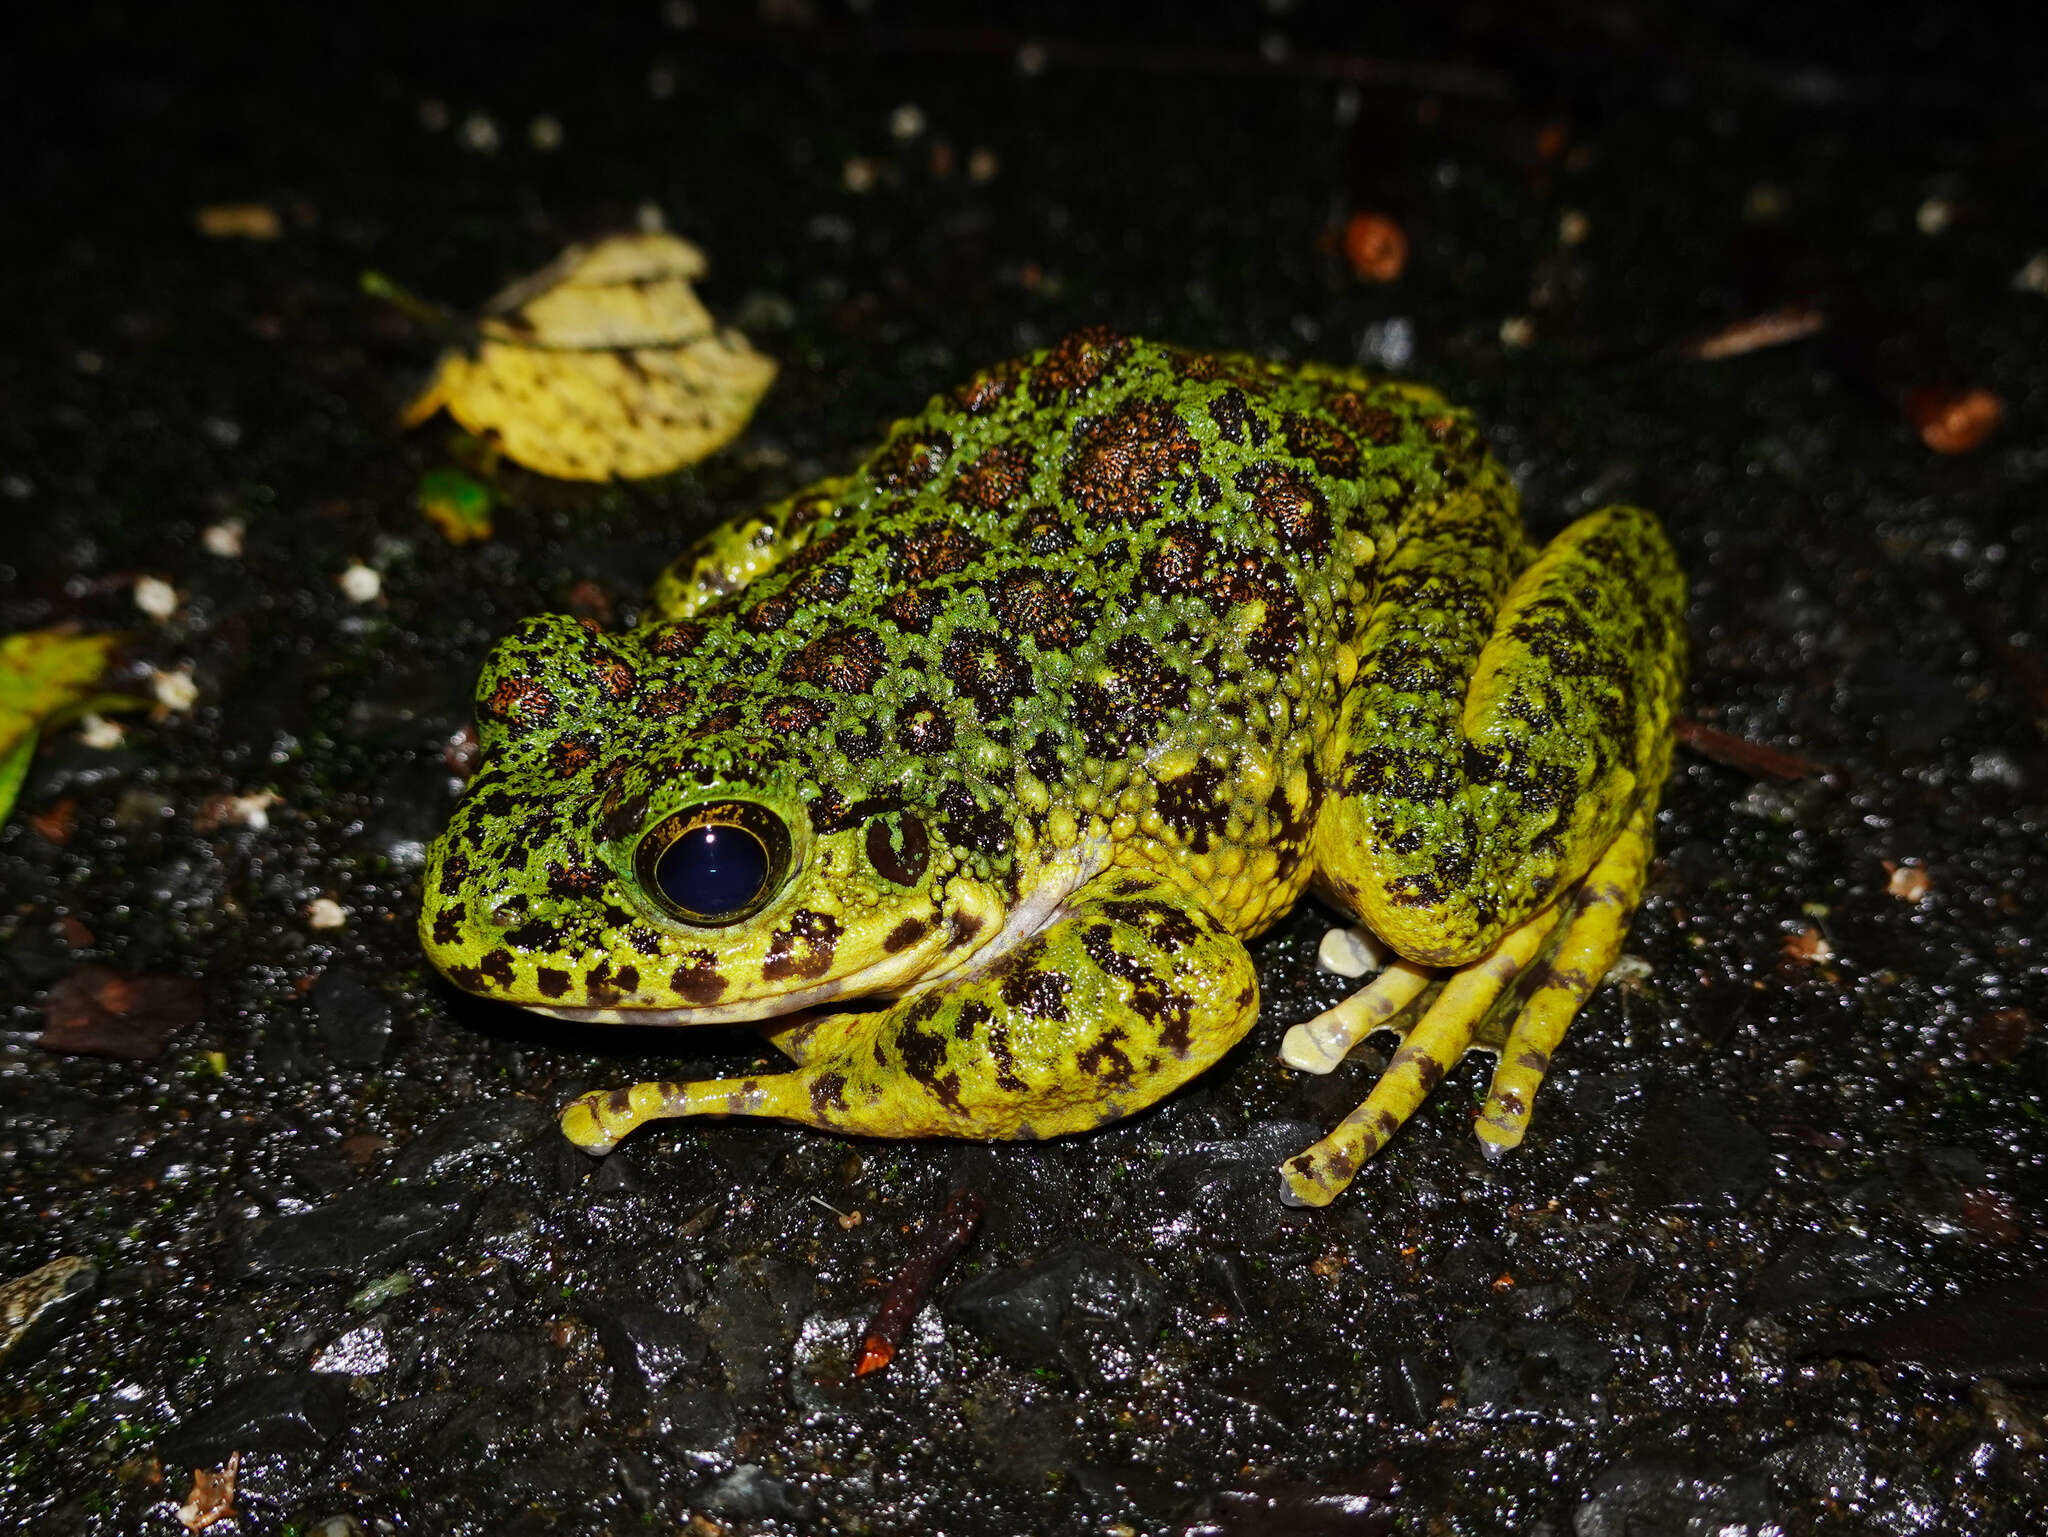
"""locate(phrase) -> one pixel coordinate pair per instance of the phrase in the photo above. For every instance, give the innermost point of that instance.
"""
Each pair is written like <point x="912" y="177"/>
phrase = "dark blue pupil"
<point x="712" y="870"/>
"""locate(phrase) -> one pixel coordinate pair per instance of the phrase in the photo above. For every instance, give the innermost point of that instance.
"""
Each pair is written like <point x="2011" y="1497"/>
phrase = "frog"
<point x="967" y="775"/>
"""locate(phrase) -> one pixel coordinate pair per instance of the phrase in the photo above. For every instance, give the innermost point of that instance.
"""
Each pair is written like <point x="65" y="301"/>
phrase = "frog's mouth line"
<point x="858" y="984"/>
<point x="884" y="979"/>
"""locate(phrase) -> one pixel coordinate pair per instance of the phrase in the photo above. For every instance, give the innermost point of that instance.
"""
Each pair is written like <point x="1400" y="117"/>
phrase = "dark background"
<point x="1768" y="1260"/>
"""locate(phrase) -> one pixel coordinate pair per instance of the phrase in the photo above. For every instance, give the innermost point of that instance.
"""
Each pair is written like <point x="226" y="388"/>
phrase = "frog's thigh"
<point x="1125" y="996"/>
<point x="1486" y="755"/>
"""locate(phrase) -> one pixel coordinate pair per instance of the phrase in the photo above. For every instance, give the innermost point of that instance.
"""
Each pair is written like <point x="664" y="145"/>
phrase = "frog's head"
<point x="654" y="837"/>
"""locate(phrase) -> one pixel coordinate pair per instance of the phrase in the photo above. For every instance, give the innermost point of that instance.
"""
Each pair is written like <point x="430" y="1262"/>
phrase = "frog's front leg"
<point x="1497" y="767"/>
<point x="1130" y="991"/>
<point x="741" y="549"/>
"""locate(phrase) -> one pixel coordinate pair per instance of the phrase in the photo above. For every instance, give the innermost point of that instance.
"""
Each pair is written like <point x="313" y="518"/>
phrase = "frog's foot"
<point x="1591" y="927"/>
<point x="1594" y="930"/>
<point x="1126" y="994"/>
<point x="1432" y="1049"/>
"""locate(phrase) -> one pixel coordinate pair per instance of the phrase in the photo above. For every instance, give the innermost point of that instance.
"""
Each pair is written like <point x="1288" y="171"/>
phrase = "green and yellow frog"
<point x="968" y="774"/>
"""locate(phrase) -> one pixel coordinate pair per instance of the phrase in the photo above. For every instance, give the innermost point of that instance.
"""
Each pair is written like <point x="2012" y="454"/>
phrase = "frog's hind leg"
<point x="1583" y="934"/>
<point x="1130" y="991"/>
<point x="1433" y="1047"/>
<point x="1502" y="741"/>
<point x="1594" y="928"/>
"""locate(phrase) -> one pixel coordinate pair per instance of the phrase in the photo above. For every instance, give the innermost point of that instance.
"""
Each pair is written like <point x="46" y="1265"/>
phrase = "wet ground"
<point x="1768" y="1262"/>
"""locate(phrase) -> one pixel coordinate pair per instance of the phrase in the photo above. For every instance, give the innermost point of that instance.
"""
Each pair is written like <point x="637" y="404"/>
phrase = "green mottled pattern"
<point x="1115" y="612"/>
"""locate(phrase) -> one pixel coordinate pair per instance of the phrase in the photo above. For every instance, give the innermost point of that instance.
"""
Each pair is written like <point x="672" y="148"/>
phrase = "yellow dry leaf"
<point x="47" y="676"/>
<point x="604" y="363"/>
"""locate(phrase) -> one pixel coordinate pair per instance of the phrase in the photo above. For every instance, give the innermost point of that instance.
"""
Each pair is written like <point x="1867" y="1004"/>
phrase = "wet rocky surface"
<point x="1769" y="1261"/>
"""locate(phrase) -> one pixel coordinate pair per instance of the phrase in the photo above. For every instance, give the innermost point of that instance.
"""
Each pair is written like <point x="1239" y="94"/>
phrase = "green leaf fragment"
<point x="456" y="504"/>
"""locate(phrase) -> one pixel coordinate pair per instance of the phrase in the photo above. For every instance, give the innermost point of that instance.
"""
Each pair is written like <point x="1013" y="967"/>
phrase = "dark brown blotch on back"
<point x="1313" y="436"/>
<point x="912" y="459"/>
<point x="1076" y="363"/>
<point x="1042" y="531"/>
<point x="1122" y="463"/>
<point x="522" y="705"/>
<point x="987" y="670"/>
<point x="847" y="660"/>
<point x="1043" y="606"/>
<point x="998" y="479"/>
<point x="1131" y="702"/>
<point x="923" y="726"/>
<point x="1288" y="500"/>
<point x="677" y="640"/>
<point x="933" y="549"/>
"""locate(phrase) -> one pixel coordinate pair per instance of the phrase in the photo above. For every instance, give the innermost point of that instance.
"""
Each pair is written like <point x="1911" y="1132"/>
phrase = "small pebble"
<point x="1517" y="331"/>
<point x="1032" y="59"/>
<point x="99" y="733"/>
<point x="251" y="811"/>
<point x="1909" y="882"/>
<point x="223" y="539"/>
<point x="156" y="597"/>
<point x="1765" y="203"/>
<point x="1350" y="953"/>
<point x="238" y="221"/>
<point x="326" y="913"/>
<point x="1375" y="246"/>
<point x="1807" y="944"/>
<point x="174" y="689"/>
<point x="858" y="175"/>
<point x="544" y="133"/>
<point x="1934" y="216"/>
<point x="2033" y="277"/>
<point x="479" y="134"/>
<point x="1573" y="228"/>
<point x="982" y="164"/>
<point x="906" y="122"/>
<point x="1628" y="970"/>
<point x="360" y="583"/>
<point x="433" y="114"/>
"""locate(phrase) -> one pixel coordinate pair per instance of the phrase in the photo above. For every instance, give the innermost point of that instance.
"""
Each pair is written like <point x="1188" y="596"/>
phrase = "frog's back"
<point x="1102" y="595"/>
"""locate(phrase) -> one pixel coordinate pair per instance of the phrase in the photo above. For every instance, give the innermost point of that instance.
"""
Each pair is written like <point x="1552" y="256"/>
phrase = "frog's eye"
<point x="715" y="864"/>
